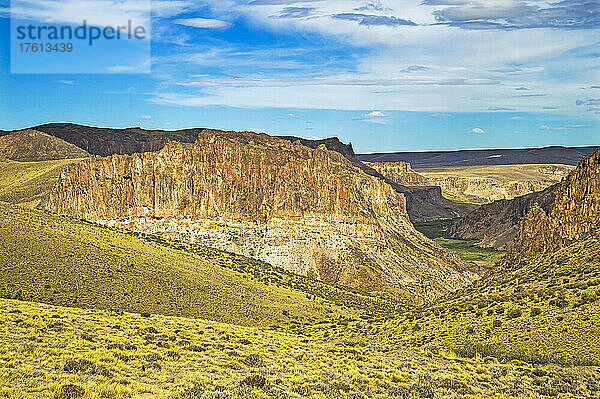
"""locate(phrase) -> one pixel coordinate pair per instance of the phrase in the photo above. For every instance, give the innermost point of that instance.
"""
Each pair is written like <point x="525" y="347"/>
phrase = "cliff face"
<point x="307" y="210"/>
<point x="399" y="172"/>
<point x="496" y="224"/>
<point x="424" y="201"/>
<point x="471" y="185"/>
<point x="573" y="215"/>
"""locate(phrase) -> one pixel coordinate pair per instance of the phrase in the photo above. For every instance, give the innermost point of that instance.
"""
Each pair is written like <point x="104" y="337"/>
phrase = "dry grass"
<point x="57" y="260"/>
<point x="29" y="182"/>
<point x="64" y="352"/>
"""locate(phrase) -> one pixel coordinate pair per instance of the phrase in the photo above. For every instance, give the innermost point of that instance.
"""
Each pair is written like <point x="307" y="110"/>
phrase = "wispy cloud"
<point x="568" y="127"/>
<point x="205" y="23"/>
<point x="296" y="12"/>
<point x="477" y="130"/>
<point x="374" y="20"/>
<point x="67" y="82"/>
<point x="517" y="14"/>
<point x="441" y="115"/>
<point x="414" y="68"/>
<point x="497" y="108"/>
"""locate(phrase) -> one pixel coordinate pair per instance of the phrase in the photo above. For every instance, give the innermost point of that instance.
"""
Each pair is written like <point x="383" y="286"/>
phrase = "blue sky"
<point x="385" y="75"/>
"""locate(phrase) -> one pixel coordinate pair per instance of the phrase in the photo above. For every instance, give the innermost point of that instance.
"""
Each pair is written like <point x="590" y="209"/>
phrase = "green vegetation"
<point x="28" y="182"/>
<point x="57" y="352"/>
<point x="466" y="249"/>
<point x="547" y="311"/>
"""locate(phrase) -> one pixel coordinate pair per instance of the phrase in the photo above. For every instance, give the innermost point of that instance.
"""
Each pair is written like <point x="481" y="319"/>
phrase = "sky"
<point x="385" y="75"/>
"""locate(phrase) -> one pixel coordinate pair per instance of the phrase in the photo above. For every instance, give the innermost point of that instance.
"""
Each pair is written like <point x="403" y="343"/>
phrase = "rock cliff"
<point x="573" y="215"/>
<point x="496" y="224"/>
<point x="477" y="185"/>
<point x="310" y="211"/>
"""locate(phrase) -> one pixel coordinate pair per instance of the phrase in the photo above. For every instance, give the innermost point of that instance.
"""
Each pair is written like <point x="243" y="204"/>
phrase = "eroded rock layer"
<point x="573" y="215"/>
<point x="307" y="210"/>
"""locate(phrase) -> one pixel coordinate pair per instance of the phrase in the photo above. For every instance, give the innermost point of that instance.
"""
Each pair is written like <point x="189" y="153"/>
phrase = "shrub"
<point x="69" y="391"/>
<point x="256" y="380"/>
<point x="513" y="313"/>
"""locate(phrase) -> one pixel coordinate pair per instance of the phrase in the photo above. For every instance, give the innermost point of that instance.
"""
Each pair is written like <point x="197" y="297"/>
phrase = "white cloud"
<point x="67" y="82"/>
<point x="568" y="127"/>
<point x="477" y="130"/>
<point x="203" y="23"/>
<point x="374" y="117"/>
<point x="146" y="117"/>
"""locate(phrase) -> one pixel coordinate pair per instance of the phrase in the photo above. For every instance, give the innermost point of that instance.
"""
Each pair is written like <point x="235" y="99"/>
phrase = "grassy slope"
<point x="466" y="249"/>
<point x="548" y="311"/>
<point x="103" y="354"/>
<point x="57" y="260"/>
<point x="28" y="182"/>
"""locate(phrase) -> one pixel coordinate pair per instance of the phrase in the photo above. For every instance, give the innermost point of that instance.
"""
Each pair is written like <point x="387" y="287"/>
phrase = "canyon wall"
<point x="457" y="184"/>
<point x="496" y="224"/>
<point x="573" y="215"/>
<point x="310" y="211"/>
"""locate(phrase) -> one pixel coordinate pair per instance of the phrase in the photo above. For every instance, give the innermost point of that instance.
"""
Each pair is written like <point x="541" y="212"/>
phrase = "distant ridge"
<point x="32" y="145"/>
<point x="432" y="159"/>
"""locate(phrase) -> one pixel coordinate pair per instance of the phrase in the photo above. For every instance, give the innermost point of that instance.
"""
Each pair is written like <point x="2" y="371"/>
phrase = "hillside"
<point x="477" y="184"/>
<point x="32" y="145"/>
<point x="546" y="311"/>
<point x="29" y="183"/>
<point x="57" y="260"/>
<point x="307" y="210"/>
<point x="543" y="303"/>
<point x="436" y="159"/>
<point x="70" y="353"/>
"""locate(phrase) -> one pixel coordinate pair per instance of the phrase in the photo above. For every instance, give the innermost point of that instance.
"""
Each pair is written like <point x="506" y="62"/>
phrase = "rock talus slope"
<point x="307" y="210"/>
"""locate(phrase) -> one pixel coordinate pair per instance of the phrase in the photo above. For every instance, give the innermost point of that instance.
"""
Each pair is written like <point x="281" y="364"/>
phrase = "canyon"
<point x="477" y="184"/>
<point x="572" y="216"/>
<point x="308" y="210"/>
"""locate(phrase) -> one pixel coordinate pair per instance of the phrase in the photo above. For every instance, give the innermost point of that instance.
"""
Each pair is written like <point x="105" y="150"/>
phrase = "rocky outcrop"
<point x="399" y="172"/>
<point x="424" y="202"/>
<point x="573" y="215"/>
<point x="307" y="210"/>
<point x="460" y="186"/>
<point x="496" y="224"/>
<point x="31" y="145"/>
<point x="107" y="141"/>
